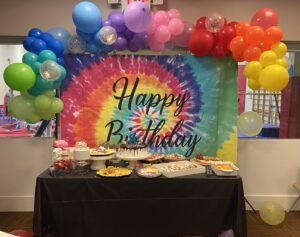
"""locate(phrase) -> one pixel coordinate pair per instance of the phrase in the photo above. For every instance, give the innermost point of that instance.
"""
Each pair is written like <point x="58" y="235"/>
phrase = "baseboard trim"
<point x="16" y="203"/>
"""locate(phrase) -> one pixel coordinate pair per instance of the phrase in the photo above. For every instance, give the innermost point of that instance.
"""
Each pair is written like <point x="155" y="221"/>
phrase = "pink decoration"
<point x="162" y="34"/>
<point x="176" y="26"/>
<point x="151" y="29"/>
<point x="60" y="144"/>
<point x="155" y="45"/>
<point x="174" y="13"/>
<point x="161" y="18"/>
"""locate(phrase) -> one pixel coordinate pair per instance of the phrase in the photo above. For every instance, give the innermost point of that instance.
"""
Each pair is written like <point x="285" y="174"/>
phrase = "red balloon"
<point x="21" y="233"/>
<point x="219" y="50"/>
<point x="201" y="42"/>
<point x="227" y="34"/>
<point x="200" y="24"/>
<point x="265" y="18"/>
<point x="233" y="24"/>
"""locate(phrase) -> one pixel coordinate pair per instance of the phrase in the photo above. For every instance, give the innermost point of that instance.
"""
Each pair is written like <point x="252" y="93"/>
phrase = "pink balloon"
<point x="155" y="45"/>
<point x="174" y="13"/>
<point x="182" y="39"/>
<point x="162" y="34"/>
<point x="176" y="26"/>
<point x="151" y="29"/>
<point x="161" y="18"/>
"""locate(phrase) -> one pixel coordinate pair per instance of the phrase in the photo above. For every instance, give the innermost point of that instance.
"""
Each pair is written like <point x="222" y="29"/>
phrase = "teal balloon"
<point x="46" y="55"/>
<point x="56" y="84"/>
<point x="36" y="67"/>
<point x="63" y="73"/>
<point x="21" y="107"/>
<point x="34" y="91"/>
<point x="43" y="84"/>
<point x="29" y="58"/>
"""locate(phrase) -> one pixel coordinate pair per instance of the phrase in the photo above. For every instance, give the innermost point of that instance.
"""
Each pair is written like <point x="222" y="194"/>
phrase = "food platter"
<point x="114" y="172"/>
<point x="106" y="152"/>
<point x="149" y="172"/>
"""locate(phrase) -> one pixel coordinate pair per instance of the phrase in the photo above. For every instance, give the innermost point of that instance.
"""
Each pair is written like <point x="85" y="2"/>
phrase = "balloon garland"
<point x="42" y="71"/>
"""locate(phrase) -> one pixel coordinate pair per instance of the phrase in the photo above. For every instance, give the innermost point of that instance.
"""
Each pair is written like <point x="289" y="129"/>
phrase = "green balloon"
<point x="57" y="105"/>
<point x="19" y="76"/>
<point x="42" y="103"/>
<point x="47" y="115"/>
<point x="27" y="95"/>
<point x="33" y="119"/>
<point x="49" y="93"/>
<point x="36" y="67"/>
<point x="29" y="58"/>
<point x="46" y="55"/>
<point x="21" y="107"/>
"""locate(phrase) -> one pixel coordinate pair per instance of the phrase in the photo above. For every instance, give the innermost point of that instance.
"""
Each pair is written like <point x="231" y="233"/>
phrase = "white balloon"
<point x="50" y="70"/>
<point x="250" y="123"/>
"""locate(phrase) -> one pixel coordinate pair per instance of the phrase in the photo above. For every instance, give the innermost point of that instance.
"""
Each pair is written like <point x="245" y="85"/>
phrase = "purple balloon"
<point x="227" y="233"/>
<point x="106" y="23"/>
<point x="141" y="40"/>
<point x="133" y="47"/>
<point x="137" y="16"/>
<point x="128" y="34"/>
<point x="116" y="19"/>
<point x="121" y="43"/>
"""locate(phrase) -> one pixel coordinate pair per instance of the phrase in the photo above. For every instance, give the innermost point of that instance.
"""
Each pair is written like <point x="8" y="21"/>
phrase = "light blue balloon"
<point x="93" y="47"/>
<point x="29" y="58"/>
<point x="43" y="84"/>
<point x="87" y="17"/>
<point x="36" y="67"/>
<point x="46" y="55"/>
<point x="61" y="34"/>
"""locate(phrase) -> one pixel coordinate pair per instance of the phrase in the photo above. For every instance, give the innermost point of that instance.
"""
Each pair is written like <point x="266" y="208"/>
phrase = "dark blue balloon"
<point x="35" y="33"/>
<point x="38" y="46"/>
<point x="107" y="48"/>
<point x="57" y="47"/>
<point x="93" y="47"/>
<point x="60" y="61"/>
<point x="27" y="43"/>
<point x="45" y="36"/>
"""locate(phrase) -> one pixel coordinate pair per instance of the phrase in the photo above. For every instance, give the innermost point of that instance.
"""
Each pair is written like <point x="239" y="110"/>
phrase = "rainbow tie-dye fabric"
<point x="176" y="104"/>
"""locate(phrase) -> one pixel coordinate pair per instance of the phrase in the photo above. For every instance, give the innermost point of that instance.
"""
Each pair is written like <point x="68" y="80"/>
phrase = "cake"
<point x="133" y="150"/>
<point x="81" y="151"/>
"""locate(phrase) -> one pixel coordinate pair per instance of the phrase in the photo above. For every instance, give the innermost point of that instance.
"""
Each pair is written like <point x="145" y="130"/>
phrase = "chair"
<point x="296" y="186"/>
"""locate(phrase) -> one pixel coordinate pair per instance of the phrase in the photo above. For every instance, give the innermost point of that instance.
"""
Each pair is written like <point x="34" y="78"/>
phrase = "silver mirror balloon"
<point x="214" y="23"/>
<point x="107" y="35"/>
<point x="250" y="123"/>
<point x="50" y="70"/>
<point x="76" y="44"/>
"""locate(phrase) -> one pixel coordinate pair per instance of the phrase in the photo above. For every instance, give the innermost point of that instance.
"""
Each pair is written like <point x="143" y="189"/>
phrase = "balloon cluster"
<point x="212" y="36"/>
<point x="259" y="43"/>
<point x="36" y="78"/>
<point x="164" y="26"/>
<point x="119" y="31"/>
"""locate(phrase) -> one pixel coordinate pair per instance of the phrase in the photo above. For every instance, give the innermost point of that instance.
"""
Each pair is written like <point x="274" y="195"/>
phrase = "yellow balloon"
<point x="280" y="49"/>
<point x="253" y="84"/>
<point x="272" y="213"/>
<point x="274" y="78"/>
<point x="253" y="70"/>
<point x="282" y="62"/>
<point x="268" y="58"/>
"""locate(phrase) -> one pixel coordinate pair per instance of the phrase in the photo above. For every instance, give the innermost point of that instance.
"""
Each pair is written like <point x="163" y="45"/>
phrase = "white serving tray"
<point x="225" y="173"/>
<point x="197" y="170"/>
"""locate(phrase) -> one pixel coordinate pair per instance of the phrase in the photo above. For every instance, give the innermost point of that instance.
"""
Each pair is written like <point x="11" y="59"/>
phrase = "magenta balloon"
<point x="182" y="39"/>
<point x="137" y="16"/>
<point x="120" y="44"/>
<point x="116" y="19"/>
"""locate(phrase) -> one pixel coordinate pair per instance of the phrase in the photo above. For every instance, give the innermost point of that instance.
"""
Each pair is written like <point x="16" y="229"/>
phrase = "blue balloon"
<point x="43" y="84"/>
<point x="36" y="67"/>
<point x="27" y="42"/>
<point x="29" y="58"/>
<point x="87" y="17"/>
<point x="38" y="46"/>
<point x="61" y="34"/>
<point x="46" y="55"/>
<point x="45" y="36"/>
<point x="93" y="47"/>
<point x="84" y="36"/>
<point x="60" y="61"/>
<point x="35" y="33"/>
<point x="57" y="47"/>
<point x="35" y="91"/>
<point x="107" y="48"/>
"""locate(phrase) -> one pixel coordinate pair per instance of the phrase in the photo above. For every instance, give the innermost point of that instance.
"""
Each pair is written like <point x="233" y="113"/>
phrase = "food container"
<point x="179" y="168"/>
<point x="217" y="168"/>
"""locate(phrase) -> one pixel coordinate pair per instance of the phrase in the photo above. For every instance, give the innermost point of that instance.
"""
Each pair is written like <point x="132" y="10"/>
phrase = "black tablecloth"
<point x="92" y="206"/>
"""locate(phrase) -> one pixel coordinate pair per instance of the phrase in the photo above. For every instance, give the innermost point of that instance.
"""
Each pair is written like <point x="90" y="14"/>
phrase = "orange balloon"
<point x="238" y="57"/>
<point x="252" y="53"/>
<point x="254" y="35"/>
<point x="273" y="35"/>
<point x="264" y="46"/>
<point x="237" y="45"/>
<point x="242" y="27"/>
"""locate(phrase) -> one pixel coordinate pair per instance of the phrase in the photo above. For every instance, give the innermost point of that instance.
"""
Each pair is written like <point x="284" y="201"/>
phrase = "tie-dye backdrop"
<point x="181" y="104"/>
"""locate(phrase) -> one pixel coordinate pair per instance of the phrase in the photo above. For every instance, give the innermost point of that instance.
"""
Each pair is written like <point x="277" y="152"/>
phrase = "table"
<point x="92" y="206"/>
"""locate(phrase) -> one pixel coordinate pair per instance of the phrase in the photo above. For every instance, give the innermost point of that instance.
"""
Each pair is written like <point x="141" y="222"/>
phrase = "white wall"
<point x="268" y="168"/>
